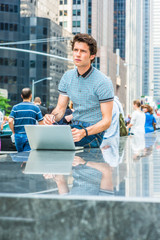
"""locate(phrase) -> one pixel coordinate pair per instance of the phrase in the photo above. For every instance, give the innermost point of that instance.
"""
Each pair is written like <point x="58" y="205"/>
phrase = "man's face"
<point x="81" y="55"/>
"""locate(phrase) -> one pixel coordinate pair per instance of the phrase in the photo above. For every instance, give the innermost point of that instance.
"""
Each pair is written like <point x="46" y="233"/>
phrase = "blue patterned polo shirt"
<point x="87" y="92"/>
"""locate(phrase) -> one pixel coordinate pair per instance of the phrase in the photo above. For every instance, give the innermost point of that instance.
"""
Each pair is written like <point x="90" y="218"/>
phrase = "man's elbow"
<point x="10" y="121"/>
<point x="107" y="124"/>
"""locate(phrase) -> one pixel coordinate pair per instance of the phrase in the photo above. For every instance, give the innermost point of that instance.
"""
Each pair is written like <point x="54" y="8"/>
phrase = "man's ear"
<point x="21" y="96"/>
<point x="92" y="57"/>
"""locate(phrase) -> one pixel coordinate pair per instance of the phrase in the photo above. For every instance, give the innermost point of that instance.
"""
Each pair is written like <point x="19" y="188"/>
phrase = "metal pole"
<point x="32" y="90"/>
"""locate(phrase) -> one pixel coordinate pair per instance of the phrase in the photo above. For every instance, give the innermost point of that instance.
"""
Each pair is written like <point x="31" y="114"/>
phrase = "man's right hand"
<point x="49" y="119"/>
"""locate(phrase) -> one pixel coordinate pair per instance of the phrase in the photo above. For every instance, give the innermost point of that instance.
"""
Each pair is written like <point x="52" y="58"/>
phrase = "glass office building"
<point x="19" y="69"/>
<point x="119" y="26"/>
<point x="146" y="47"/>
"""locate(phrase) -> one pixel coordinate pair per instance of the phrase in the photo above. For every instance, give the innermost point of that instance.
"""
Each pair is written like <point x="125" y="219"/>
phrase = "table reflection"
<point x="126" y="166"/>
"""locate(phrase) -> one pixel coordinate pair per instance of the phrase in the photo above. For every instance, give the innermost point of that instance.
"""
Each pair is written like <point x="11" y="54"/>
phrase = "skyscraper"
<point x="146" y="48"/>
<point x="30" y="21"/>
<point x="120" y="26"/>
<point x="155" y="48"/>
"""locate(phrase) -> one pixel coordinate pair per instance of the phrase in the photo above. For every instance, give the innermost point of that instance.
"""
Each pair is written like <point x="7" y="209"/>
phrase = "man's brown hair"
<point x="26" y="93"/>
<point x="137" y="103"/>
<point x="88" y="39"/>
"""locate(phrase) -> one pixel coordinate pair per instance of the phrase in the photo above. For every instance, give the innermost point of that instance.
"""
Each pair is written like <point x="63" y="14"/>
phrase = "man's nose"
<point x="78" y="52"/>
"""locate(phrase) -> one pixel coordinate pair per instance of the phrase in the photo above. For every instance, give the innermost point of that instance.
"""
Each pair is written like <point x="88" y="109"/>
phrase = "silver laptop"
<point x="54" y="162"/>
<point x="50" y="137"/>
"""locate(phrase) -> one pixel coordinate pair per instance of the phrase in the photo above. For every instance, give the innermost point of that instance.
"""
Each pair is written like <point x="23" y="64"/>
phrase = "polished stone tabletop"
<point x="127" y="167"/>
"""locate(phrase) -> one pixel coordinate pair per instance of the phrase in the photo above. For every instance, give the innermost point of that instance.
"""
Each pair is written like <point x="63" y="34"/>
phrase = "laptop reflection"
<point x="49" y="162"/>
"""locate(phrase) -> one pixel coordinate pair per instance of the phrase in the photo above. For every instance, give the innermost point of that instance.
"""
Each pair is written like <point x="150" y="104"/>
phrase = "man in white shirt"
<point x="137" y="120"/>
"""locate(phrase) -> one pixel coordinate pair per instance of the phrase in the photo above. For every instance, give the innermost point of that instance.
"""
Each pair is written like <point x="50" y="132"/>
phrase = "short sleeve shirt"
<point x="25" y="113"/>
<point x="87" y="93"/>
<point x="138" y="122"/>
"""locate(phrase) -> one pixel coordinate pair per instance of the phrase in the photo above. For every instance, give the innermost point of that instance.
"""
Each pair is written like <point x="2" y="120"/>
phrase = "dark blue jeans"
<point x="92" y="141"/>
<point x="21" y="142"/>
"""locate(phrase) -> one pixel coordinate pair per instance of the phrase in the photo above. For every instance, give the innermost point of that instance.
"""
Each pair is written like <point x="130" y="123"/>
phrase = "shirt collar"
<point x="87" y="73"/>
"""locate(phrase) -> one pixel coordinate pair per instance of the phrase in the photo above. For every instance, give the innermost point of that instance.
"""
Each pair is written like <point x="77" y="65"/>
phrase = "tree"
<point x="4" y="105"/>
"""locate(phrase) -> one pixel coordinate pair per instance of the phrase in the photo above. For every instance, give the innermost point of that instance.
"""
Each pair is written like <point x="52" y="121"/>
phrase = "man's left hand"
<point x="78" y="134"/>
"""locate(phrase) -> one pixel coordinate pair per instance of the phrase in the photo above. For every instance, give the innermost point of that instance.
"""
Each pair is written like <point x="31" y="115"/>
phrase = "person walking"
<point x="37" y="101"/>
<point x="150" y="122"/>
<point x="24" y="113"/>
<point x="137" y="119"/>
<point x="90" y="91"/>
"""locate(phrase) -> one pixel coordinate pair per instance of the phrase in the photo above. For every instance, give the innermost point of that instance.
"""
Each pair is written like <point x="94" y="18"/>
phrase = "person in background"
<point x="137" y="119"/>
<point x="150" y="123"/>
<point x="91" y="93"/>
<point x="24" y="113"/>
<point x="114" y="129"/>
<point x="5" y="122"/>
<point x="37" y="101"/>
<point x="1" y="117"/>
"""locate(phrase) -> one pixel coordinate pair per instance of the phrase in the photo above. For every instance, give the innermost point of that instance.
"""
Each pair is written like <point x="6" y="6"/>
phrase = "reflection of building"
<point x="18" y="69"/>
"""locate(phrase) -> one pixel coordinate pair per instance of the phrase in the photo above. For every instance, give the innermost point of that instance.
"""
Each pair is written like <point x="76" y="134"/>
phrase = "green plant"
<point x="4" y="105"/>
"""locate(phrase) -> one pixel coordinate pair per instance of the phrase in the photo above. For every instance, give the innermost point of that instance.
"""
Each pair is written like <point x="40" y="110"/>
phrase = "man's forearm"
<point x="98" y="127"/>
<point x="58" y="113"/>
<point x="11" y="127"/>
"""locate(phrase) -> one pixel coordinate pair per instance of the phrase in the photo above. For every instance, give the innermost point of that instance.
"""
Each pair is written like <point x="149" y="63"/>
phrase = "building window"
<point x="6" y="79"/>
<point x="6" y="26"/>
<point x="78" y="12"/>
<point x="33" y="46"/>
<point x="61" y="2"/>
<point x="33" y="30"/>
<point x="11" y="8"/>
<point x="1" y="61"/>
<point x="74" y="13"/>
<point x="44" y="47"/>
<point x="15" y="8"/>
<point x="6" y="7"/>
<point x="65" y="24"/>
<point x="2" y="7"/>
<point x="61" y="23"/>
<point x="76" y="23"/>
<point x="45" y="31"/>
<point x="11" y="27"/>
<point x="44" y="64"/>
<point x="22" y="63"/>
<point x="65" y="2"/>
<point x="32" y="64"/>
<point x="60" y="13"/>
<point x="6" y="61"/>
<point x="1" y="26"/>
<point x="65" y="12"/>
<point x="15" y="27"/>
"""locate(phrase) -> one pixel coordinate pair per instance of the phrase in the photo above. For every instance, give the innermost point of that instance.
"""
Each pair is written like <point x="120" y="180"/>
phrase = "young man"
<point x="91" y="93"/>
<point x="23" y="114"/>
